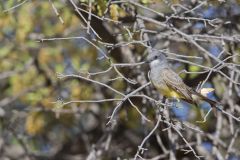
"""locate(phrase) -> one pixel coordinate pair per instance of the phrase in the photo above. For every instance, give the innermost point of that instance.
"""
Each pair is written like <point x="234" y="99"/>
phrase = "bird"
<point x="170" y="84"/>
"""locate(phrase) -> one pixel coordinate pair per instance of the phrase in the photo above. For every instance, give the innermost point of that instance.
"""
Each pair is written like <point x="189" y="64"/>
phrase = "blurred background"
<point x="39" y="40"/>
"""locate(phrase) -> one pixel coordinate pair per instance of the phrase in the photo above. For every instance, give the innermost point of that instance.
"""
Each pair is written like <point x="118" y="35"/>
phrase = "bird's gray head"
<point x="156" y="59"/>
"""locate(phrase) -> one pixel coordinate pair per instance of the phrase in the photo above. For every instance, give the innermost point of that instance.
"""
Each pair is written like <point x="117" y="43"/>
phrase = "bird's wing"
<point x="175" y="82"/>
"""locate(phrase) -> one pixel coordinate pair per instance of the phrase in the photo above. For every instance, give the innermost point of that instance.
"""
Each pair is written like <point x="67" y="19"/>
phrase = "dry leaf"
<point x="205" y="91"/>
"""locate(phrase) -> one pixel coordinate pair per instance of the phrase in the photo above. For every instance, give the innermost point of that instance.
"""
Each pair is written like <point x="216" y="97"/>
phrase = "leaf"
<point x="205" y="91"/>
<point x="35" y="123"/>
<point x="114" y="12"/>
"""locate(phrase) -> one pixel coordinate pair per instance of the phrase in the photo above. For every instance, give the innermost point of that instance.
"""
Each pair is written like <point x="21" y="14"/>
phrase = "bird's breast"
<point x="159" y="83"/>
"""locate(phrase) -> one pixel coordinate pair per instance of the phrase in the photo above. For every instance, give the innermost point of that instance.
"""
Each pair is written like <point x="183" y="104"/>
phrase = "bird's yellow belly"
<point x="168" y="92"/>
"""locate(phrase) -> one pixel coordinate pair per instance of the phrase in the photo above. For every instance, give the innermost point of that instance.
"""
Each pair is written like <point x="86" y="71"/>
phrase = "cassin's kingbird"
<point x="169" y="83"/>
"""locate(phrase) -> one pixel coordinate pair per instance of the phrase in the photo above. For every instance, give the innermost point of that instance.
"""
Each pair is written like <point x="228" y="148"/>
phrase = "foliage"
<point x="72" y="85"/>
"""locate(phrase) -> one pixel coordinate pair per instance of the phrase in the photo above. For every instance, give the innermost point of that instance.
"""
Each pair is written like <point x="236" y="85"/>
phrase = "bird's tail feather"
<point x="214" y="104"/>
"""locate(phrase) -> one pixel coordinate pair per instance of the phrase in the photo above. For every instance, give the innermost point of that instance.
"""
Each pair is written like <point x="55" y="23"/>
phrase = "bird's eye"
<point x="155" y="57"/>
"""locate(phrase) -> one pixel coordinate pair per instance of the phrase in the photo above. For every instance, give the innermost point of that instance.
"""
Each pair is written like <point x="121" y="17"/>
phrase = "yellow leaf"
<point x="114" y="12"/>
<point x="35" y="123"/>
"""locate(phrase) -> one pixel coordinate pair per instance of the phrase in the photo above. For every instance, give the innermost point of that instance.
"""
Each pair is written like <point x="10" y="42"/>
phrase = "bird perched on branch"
<point x="170" y="84"/>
